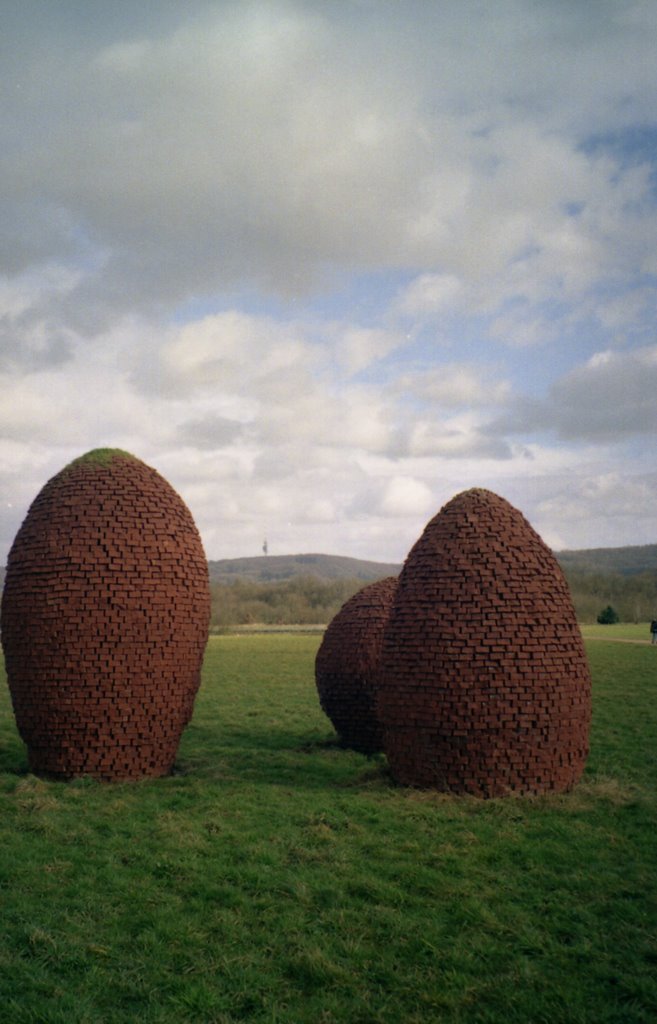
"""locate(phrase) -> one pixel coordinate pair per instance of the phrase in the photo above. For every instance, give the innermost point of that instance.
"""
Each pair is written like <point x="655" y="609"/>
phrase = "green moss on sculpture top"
<point x="99" y="458"/>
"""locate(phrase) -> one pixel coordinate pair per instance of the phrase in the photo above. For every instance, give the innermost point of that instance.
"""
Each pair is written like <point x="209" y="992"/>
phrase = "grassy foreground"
<point x="637" y="631"/>
<point x="278" y="878"/>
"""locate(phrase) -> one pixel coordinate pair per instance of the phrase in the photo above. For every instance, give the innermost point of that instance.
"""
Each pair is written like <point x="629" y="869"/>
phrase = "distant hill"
<point x="628" y="561"/>
<point x="276" y="568"/>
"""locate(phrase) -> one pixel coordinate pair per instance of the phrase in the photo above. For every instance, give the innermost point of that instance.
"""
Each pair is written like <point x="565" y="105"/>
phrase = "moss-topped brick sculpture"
<point x="485" y="687"/>
<point x="105" y="616"/>
<point x="347" y="665"/>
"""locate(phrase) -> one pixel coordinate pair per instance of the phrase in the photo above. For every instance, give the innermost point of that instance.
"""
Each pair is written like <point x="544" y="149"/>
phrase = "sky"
<point x="326" y="263"/>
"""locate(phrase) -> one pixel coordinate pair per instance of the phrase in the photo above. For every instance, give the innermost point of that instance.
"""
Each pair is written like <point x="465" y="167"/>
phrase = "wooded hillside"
<point x="628" y="561"/>
<point x="271" y="568"/>
<point x="311" y="588"/>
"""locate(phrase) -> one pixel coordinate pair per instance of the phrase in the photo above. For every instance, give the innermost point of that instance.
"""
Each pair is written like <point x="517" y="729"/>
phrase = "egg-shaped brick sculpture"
<point x="105" y="615"/>
<point x="485" y="686"/>
<point x="347" y="665"/>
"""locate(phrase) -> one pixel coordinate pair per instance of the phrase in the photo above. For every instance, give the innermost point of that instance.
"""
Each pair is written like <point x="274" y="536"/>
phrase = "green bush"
<point x="608" y="616"/>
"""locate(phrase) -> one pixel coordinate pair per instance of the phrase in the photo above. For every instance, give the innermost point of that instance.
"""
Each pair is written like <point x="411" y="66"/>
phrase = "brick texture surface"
<point x="105" y="616"/>
<point x="348" y="662"/>
<point x="485" y="687"/>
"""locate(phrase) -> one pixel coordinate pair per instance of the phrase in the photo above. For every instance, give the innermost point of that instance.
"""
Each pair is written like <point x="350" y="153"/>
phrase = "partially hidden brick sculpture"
<point x="104" y="618"/>
<point x="348" y="663"/>
<point x="485" y="687"/>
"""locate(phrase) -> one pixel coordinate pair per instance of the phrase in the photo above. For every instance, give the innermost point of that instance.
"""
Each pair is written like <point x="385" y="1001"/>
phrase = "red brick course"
<point x="105" y="616"/>
<point x="347" y="665"/>
<point x="485" y="687"/>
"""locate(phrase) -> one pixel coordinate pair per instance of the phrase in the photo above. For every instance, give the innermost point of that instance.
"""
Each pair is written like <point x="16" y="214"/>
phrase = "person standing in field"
<point x="653" y="631"/>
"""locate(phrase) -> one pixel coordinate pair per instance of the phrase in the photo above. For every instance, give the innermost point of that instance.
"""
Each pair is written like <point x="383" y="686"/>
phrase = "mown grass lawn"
<point x="636" y="631"/>
<point x="277" y="878"/>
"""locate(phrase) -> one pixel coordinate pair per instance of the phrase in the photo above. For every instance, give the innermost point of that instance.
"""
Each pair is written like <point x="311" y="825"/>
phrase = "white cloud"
<point x="458" y="437"/>
<point x="274" y="381"/>
<point x="621" y="313"/>
<point x="318" y="262"/>
<point x="210" y="432"/>
<point x="232" y="350"/>
<point x="264" y="142"/>
<point x="608" y="399"/>
<point x="596" y="510"/>
<point x="612" y="397"/>
<point x="358" y="347"/>
<point x="24" y="291"/>
<point x="457" y="384"/>
<point x="524" y="329"/>
<point x="28" y="338"/>
<point x="405" y="496"/>
<point x="430" y="294"/>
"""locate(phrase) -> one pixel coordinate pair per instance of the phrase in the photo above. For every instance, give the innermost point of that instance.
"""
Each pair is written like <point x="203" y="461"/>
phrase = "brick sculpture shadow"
<point x="485" y="687"/>
<point x="348" y="662"/>
<point x="105" y="616"/>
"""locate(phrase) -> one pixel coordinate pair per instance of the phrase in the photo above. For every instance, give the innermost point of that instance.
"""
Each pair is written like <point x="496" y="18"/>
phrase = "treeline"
<point x="633" y="598"/>
<point x="308" y="600"/>
<point x="302" y="600"/>
<point x="627" y="561"/>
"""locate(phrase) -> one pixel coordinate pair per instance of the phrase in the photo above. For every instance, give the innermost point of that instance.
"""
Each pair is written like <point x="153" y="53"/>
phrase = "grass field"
<point x="277" y="878"/>
<point x="618" y="631"/>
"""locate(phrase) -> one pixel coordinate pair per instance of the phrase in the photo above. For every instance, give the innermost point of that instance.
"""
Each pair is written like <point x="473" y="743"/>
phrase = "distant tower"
<point x="265" y="547"/>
